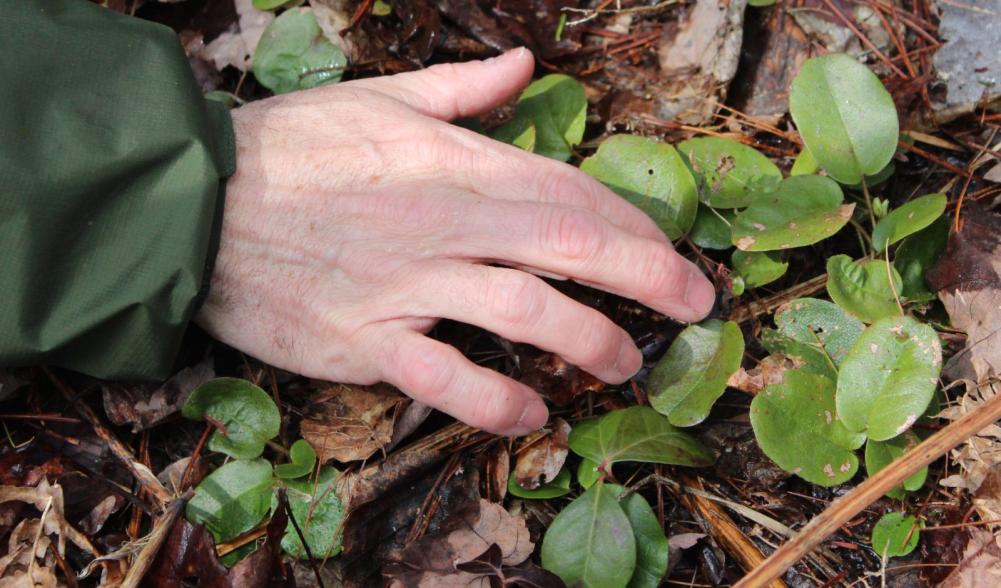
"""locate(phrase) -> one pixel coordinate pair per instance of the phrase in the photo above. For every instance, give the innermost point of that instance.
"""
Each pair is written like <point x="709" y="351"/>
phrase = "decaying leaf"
<point x="540" y="457"/>
<point x="142" y="407"/>
<point x="981" y="563"/>
<point x="48" y="498"/>
<point x="235" y="47"/>
<point x="350" y="423"/>
<point x="430" y="562"/>
<point x="979" y="454"/>
<point x="968" y="280"/>
<point x="28" y="561"/>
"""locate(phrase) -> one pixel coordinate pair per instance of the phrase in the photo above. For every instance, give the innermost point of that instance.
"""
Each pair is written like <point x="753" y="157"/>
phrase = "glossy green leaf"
<point x="651" y="545"/>
<point x="803" y="211"/>
<point x="652" y="176"/>
<point x="319" y="513"/>
<point x="907" y="220"/>
<point x="711" y="229"/>
<point x="591" y="543"/>
<point x="558" y="487"/>
<point x="730" y="174"/>
<point x="804" y="164"/>
<point x="863" y="289"/>
<point x="588" y="472"/>
<point x="737" y="285"/>
<point x="889" y="377"/>
<point x="233" y="499"/>
<point x="796" y="426"/>
<point x="806" y="356"/>
<point x="294" y="54"/>
<point x="895" y="535"/>
<point x="879" y="454"/>
<point x="874" y="179"/>
<point x="821" y="324"/>
<point x="302" y="458"/>
<point x="519" y="131"/>
<point x="637" y="433"/>
<point x="845" y="116"/>
<point x="557" y="107"/>
<point x="689" y="379"/>
<point x="245" y="416"/>
<point x="916" y="254"/>
<point x="758" y="268"/>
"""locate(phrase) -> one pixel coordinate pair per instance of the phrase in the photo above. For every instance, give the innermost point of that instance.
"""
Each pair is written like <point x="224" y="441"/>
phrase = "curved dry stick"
<point x="843" y="509"/>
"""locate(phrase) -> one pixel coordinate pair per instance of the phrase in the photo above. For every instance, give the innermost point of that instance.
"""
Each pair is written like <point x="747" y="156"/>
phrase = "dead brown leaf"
<point x="142" y="406"/>
<point x="541" y="456"/>
<point x="980" y="453"/>
<point x="29" y="561"/>
<point x="351" y="423"/>
<point x="981" y="563"/>
<point x="769" y="371"/>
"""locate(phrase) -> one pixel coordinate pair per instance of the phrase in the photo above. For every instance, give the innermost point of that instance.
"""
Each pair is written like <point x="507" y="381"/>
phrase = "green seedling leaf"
<point x="637" y="433"/>
<point x="863" y="289"/>
<point x="804" y="165"/>
<point x="558" y="487"/>
<point x="233" y="499"/>
<point x="588" y="472"/>
<point x="846" y="117"/>
<point x="557" y="108"/>
<point x="889" y="377"/>
<point x="758" y="268"/>
<point x="319" y="512"/>
<point x="895" y="535"/>
<point x="381" y="8"/>
<point x="803" y="211"/>
<point x="795" y="424"/>
<point x="760" y="3"/>
<point x="737" y="285"/>
<point x="916" y="254"/>
<point x="591" y="543"/>
<point x="879" y="454"/>
<point x="294" y="54"/>
<point x="880" y="207"/>
<point x="302" y="458"/>
<point x="821" y="324"/>
<point x="731" y="174"/>
<point x="519" y="131"/>
<point x="907" y="220"/>
<point x="272" y="4"/>
<point x="245" y="416"/>
<point x="651" y="544"/>
<point x="711" y="229"/>
<point x="689" y="379"/>
<point x="652" y="176"/>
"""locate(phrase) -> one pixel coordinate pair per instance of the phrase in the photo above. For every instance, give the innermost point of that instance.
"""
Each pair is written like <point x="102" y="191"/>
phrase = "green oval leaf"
<point x="294" y="54"/>
<point x="731" y="174"/>
<point x="591" y="543"/>
<point x="558" y="487"/>
<point x="821" y="324"/>
<point x="804" y="164"/>
<point x="879" y="454"/>
<point x="689" y="379"/>
<point x="245" y="416"/>
<point x="916" y="254"/>
<point x="318" y="511"/>
<point x="652" y="549"/>
<point x="652" y="176"/>
<point x="557" y="108"/>
<point x="907" y="220"/>
<point x="846" y="117"/>
<point x="795" y="424"/>
<point x="233" y="499"/>
<point x="519" y="131"/>
<point x="637" y="433"/>
<point x="758" y="268"/>
<point x="863" y="289"/>
<point x="302" y="459"/>
<point x="803" y="211"/>
<point x="588" y="472"/>
<point x="889" y="377"/>
<point x="711" y="229"/>
<point x="271" y="4"/>
<point x="895" y="535"/>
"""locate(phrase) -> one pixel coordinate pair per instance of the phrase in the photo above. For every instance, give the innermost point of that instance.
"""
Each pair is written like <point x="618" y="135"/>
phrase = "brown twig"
<point x="769" y="305"/>
<point x="161" y="530"/>
<point x="844" y="508"/>
<point x="865" y="40"/>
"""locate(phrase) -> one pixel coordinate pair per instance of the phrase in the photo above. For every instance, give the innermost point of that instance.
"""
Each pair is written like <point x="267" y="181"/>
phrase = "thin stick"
<point x="161" y="530"/>
<point x="851" y="504"/>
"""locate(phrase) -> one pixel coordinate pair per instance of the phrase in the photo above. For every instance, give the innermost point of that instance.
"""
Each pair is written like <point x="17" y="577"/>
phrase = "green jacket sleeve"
<point x="112" y="170"/>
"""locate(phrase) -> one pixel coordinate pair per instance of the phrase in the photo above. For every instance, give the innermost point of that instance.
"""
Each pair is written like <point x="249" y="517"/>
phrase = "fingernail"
<point x="630" y="360"/>
<point x="699" y="293"/>
<point x="533" y="417"/>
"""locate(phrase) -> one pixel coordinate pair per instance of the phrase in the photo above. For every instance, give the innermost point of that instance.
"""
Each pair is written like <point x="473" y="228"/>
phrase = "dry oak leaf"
<point x="350" y="423"/>
<point x="430" y="561"/>
<point x="979" y="454"/>
<point x="541" y="456"/>
<point x="981" y="563"/>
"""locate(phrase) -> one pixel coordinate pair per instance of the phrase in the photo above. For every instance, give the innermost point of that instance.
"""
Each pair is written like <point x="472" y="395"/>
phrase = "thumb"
<point x="453" y="90"/>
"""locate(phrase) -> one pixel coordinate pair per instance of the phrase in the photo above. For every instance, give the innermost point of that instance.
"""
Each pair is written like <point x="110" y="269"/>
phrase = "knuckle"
<point x="572" y="233"/>
<point x="662" y="273"/>
<point x="515" y="298"/>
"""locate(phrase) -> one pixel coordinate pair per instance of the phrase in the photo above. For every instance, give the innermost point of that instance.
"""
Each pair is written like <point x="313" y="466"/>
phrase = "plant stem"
<point x="868" y="203"/>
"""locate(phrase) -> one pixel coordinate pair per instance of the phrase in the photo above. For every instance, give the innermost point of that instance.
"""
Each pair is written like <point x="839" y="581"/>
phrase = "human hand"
<point x="357" y="218"/>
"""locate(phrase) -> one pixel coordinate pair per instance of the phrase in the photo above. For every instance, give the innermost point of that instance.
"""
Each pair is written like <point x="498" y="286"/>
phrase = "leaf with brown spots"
<point x="540" y="457"/>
